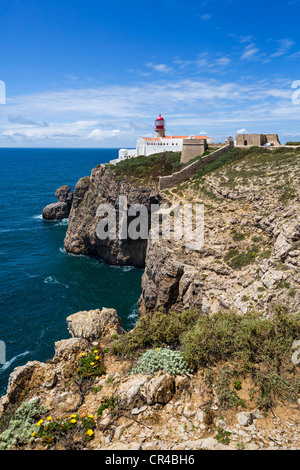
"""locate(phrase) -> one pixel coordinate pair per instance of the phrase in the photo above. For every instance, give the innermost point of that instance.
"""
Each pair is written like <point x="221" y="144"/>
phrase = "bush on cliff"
<point x="150" y="167"/>
<point x="253" y="345"/>
<point x="153" y="331"/>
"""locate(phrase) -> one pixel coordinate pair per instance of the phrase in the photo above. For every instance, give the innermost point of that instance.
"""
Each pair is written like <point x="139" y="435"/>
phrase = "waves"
<point x="9" y="363"/>
<point x="53" y="280"/>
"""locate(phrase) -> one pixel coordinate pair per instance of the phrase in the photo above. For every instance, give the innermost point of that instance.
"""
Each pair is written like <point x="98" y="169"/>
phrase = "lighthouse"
<point x="160" y="127"/>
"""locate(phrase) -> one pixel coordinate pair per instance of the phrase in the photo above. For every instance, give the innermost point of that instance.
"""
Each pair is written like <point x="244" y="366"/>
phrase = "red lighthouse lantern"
<point x="160" y="127"/>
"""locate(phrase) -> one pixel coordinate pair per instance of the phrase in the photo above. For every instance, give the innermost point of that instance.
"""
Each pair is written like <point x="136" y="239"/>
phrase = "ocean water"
<point x="40" y="284"/>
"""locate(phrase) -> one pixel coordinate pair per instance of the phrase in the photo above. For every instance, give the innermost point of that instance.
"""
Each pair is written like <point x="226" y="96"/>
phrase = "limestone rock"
<point x="61" y="209"/>
<point x="64" y="194"/>
<point x="32" y="375"/>
<point x="92" y="324"/>
<point x="56" y="211"/>
<point x="160" y="389"/>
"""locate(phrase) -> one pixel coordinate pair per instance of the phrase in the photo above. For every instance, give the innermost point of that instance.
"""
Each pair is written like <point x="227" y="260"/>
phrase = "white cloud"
<point x="117" y="115"/>
<point x="284" y="47"/>
<point x="101" y="135"/>
<point x="162" y="68"/>
<point x="250" y="52"/>
<point x="242" y="131"/>
<point x="206" y="17"/>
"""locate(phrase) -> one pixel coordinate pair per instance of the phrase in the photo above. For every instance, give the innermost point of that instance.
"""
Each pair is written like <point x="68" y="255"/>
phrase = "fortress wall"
<point x="252" y="139"/>
<point x="192" y="148"/>
<point x="171" y="181"/>
<point x="273" y="139"/>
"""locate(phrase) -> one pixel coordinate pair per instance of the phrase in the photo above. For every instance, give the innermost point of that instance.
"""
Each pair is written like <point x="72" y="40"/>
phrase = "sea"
<point x="41" y="284"/>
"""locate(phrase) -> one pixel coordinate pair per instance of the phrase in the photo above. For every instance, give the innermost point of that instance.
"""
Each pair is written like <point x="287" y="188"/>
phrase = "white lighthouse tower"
<point x="160" y="127"/>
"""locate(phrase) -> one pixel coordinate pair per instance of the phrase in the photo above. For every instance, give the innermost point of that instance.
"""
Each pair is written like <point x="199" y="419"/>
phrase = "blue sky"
<point x="97" y="74"/>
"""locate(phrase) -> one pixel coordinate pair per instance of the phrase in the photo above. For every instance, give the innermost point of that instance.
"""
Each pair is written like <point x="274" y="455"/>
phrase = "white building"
<point x="157" y="144"/>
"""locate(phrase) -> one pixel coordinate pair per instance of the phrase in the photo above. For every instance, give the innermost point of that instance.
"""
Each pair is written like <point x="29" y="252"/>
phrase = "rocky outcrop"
<point x="61" y="209"/>
<point x="103" y="187"/>
<point x="93" y="323"/>
<point x="159" y="412"/>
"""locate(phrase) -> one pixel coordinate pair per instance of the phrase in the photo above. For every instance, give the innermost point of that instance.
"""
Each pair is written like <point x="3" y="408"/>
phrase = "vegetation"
<point x="148" y="168"/>
<point x="159" y="330"/>
<point x="21" y="428"/>
<point x="91" y="364"/>
<point x="165" y="359"/>
<point x="108" y="403"/>
<point x="52" y="430"/>
<point x="222" y="436"/>
<point x="254" y="346"/>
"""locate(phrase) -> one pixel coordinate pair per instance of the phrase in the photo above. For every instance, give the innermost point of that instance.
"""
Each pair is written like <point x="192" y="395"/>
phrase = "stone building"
<point x="250" y="140"/>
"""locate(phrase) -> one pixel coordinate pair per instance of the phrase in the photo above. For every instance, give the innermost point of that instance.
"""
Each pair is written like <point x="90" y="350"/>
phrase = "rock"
<point x="62" y="402"/>
<point x="61" y="209"/>
<point x="102" y="187"/>
<point x="92" y="324"/>
<point x="160" y="389"/>
<point x="247" y="418"/>
<point x="131" y="387"/>
<point x="137" y="411"/>
<point x="271" y="278"/>
<point x="64" y="194"/>
<point x="281" y="247"/>
<point x="56" y="211"/>
<point x="32" y="375"/>
<point x="66" y="348"/>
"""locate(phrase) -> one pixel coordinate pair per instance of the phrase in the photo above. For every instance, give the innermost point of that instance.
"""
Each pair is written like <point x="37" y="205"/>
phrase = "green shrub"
<point x="90" y="364"/>
<point x="165" y="359"/>
<point x="248" y="339"/>
<point x="157" y="330"/>
<point x="149" y="167"/>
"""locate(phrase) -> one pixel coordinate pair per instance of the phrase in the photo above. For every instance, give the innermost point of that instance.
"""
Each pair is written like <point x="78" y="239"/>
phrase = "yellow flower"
<point x="90" y="432"/>
<point x="49" y="418"/>
<point x="96" y="357"/>
<point x="73" y="421"/>
<point x="73" y="416"/>
<point x="33" y="434"/>
<point x="91" y="416"/>
<point x="40" y="422"/>
<point x="83" y="354"/>
<point x="157" y="349"/>
<point x="95" y="351"/>
<point x="92" y="363"/>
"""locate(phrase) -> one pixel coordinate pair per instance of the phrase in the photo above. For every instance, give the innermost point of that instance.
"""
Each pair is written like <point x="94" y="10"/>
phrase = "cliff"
<point x="250" y="258"/>
<point x="103" y="187"/>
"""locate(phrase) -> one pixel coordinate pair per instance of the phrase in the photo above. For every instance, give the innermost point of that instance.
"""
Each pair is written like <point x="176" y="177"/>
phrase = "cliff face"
<point x="250" y="258"/>
<point x="103" y="187"/>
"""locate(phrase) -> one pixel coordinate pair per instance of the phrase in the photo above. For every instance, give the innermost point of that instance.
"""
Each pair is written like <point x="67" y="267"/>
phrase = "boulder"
<point x="56" y="211"/>
<point x="61" y="209"/>
<point x="64" y="194"/>
<point x="93" y="324"/>
<point x="160" y="389"/>
<point x="32" y="375"/>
